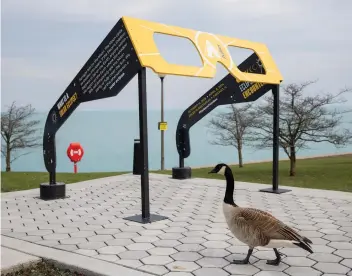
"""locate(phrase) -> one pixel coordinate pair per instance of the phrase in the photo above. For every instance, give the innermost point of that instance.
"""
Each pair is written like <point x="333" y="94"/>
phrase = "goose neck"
<point x="230" y="187"/>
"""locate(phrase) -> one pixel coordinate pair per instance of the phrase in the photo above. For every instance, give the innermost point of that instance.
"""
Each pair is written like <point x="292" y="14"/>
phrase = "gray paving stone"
<point x="216" y="244"/>
<point x="109" y="231"/>
<point x="347" y="262"/>
<point x="40" y="232"/>
<point x="217" y="237"/>
<point x="331" y="268"/>
<point x="319" y="241"/>
<point x="91" y="245"/>
<point x="331" y="231"/>
<point x="179" y="274"/>
<point x="109" y="258"/>
<point x="90" y="228"/>
<point x="197" y="227"/>
<point x="241" y="269"/>
<point x="190" y="247"/>
<point x="157" y="260"/>
<point x="111" y="250"/>
<point x="48" y="242"/>
<point x="299" y="261"/>
<point x="323" y="248"/>
<point x="171" y="236"/>
<point x="271" y="273"/>
<point x="327" y="226"/>
<point x="238" y="249"/>
<point x="186" y="256"/>
<point x="126" y="235"/>
<point x="130" y="263"/>
<point x="212" y="262"/>
<point x="146" y="239"/>
<point x="32" y="238"/>
<point x="175" y="230"/>
<point x="86" y="252"/>
<point x="122" y="242"/>
<point x="73" y="241"/>
<point x="210" y="252"/>
<point x="210" y="272"/>
<point x="82" y="234"/>
<point x="162" y="251"/>
<point x="167" y="243"/>
<point x="325" y="257"/>
<point x="66" y="230"/>
<point x="100" y="238"/>
<point x="341" y="245"/>
<point x="337" y="238"/>
<point x="140" y="246"/>
<point x="300" y="271"/>
<point x="182" y="266"/>
<point x="155" y="269"/>
<point x="262" y="265"/>
<point x="56" y="237"/>
<point x="67" y="247"/>
<point x="192" y="240"/>
<point x="133" y="255"/>
<point x="344" y="253"/>
<point x="294" y="252"/>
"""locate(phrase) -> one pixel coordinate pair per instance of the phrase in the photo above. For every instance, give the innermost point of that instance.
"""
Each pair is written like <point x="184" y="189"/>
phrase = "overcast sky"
<point x="45" y="43"/>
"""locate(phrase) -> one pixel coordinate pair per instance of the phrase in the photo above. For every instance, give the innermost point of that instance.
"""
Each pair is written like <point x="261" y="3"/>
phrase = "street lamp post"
<point x="162" y="158"/>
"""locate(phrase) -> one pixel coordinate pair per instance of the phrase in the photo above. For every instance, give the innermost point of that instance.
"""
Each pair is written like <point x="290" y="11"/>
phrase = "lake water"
<point x="107" y="138"/>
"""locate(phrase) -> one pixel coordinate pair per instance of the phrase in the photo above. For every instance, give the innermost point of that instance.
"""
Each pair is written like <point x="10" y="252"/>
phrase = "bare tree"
<point x="231" y="128"/>
<point x="303" y="120"/>
<point x="18" y="132"/>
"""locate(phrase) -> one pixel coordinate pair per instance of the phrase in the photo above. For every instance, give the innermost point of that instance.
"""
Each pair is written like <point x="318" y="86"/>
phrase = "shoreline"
<point x="282" y="159"/>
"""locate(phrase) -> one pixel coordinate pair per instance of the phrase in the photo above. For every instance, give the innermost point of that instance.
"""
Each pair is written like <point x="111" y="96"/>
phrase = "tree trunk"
<point x="292" y="161"/>
<point x="8" y="158"/>
<point x="239" y="150"/>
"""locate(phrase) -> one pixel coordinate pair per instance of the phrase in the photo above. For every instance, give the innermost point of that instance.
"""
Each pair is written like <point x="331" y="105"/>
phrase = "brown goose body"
<point x="255" y="227"/>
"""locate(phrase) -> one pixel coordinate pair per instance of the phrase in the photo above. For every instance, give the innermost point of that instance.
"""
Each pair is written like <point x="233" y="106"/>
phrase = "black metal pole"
<point x="52" y="178"/>
<point x="276" y="91"/>
<point x="146" y="217"/>
<point x="276" y="128"/>
<point x="182" y="162"/>
<point x="143" y="136"/>
<point x="162" y="157"/>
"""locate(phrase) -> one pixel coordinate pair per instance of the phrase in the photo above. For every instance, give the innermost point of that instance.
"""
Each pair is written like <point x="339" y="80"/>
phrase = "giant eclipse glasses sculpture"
<point x="126" y="51"/>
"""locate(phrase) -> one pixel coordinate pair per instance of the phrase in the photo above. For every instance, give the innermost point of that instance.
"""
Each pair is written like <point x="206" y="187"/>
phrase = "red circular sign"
<point x="75" y="152"/>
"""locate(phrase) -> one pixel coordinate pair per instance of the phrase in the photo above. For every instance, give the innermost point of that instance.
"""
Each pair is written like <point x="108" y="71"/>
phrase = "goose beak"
<point x="212" y="171"/>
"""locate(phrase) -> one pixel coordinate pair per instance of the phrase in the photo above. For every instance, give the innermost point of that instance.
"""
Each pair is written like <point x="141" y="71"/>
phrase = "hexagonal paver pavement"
<point x="195" y="239"/>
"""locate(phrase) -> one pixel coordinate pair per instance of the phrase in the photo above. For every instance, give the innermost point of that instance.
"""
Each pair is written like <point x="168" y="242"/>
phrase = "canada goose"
<point x="256" y="227"/>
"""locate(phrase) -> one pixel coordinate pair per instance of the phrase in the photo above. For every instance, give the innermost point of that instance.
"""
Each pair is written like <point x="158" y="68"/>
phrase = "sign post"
<point x="127" y="50"/>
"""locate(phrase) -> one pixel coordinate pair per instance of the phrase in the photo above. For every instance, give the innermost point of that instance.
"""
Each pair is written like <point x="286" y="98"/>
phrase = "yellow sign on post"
<point x="162" y="125"/>
<point x="212" y="49"/>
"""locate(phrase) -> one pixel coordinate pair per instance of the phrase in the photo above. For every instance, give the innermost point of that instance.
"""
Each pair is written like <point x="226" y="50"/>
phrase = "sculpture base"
<point x="52" y="191"/>
<point x="181" y="173"/>
<point x="150" y="219"/>
<point x="271" y="190"/>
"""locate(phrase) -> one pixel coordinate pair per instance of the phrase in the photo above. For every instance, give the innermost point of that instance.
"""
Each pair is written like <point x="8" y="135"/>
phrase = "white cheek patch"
<point x="222" y="170"/>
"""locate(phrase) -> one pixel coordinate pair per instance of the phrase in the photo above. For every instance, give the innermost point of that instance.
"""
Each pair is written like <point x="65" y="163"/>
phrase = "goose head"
<point x="220" y="168"/>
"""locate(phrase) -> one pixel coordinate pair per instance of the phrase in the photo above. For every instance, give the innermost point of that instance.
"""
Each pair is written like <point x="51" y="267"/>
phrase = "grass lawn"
<point x="330" y="173"/>
<point x="17" y="181"/>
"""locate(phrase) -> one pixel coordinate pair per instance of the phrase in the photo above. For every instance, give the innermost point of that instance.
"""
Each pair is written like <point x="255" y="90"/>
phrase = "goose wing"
<point x="266" y="225"/>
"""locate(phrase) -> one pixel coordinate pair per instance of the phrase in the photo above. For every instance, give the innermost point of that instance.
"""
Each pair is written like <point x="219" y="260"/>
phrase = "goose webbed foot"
<point x="245" y="260"/>
<point x="277" y="260"/>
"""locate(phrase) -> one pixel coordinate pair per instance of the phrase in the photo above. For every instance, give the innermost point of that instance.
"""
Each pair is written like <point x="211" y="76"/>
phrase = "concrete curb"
<point x="67" y="260"/>
<point x="13" y="260"/>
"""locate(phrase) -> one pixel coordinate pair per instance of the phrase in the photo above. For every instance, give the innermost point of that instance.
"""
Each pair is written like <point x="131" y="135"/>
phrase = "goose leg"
<point x="245" y="260"/>
<point x="277" y="260"/>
